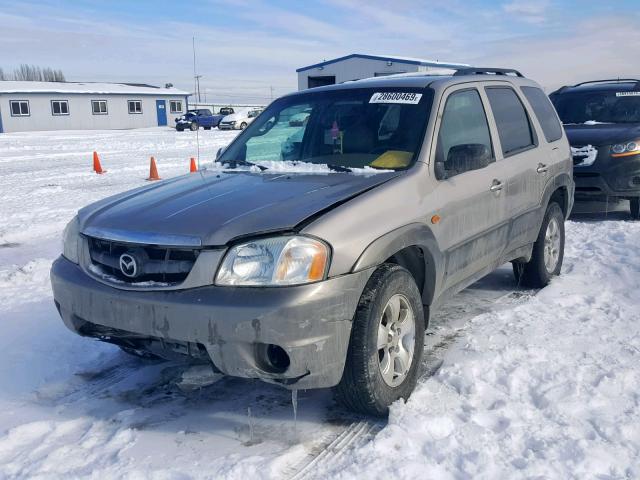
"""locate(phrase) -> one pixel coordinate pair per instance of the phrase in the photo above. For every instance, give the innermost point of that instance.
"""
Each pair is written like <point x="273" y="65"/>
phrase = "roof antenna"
<point x="196" y="89"/>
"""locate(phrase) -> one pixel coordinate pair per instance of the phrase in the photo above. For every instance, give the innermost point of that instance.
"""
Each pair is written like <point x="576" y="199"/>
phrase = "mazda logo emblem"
<point x="128" y="265"/>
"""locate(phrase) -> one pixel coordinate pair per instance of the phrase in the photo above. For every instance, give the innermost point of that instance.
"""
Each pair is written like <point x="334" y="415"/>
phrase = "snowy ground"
<point x="517" y="384"/>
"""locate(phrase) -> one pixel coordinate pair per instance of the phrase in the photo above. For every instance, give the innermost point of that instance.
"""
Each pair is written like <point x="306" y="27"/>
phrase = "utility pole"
<point x="271" y="89"/>
<point x="198" y="77"/>
<point x="195" y="80"/>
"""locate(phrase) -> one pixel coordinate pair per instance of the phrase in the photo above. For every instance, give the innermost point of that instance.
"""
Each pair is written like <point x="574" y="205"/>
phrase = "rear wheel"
<point x="194" y="127"/>
<point x="548" y="252"/>
<point x="387" y="340"/>
<point x="635" y="208"/>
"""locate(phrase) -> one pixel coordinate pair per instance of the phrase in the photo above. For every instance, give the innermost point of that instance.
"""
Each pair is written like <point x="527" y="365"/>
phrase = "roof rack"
<point x="611" y="80"/>
<point x="485" y="71"/>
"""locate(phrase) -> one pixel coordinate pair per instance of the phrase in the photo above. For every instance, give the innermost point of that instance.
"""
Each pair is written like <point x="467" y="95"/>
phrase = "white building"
<point x="357" y="66"/>
<point x="28" y="106"/>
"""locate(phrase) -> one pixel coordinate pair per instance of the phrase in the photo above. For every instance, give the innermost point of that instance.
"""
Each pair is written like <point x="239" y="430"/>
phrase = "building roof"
<point x="96" y="88"/>
<point x="386" y="58"/>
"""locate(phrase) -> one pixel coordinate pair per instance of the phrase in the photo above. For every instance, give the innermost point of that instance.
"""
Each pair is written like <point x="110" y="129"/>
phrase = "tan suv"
<point x="312" y="252"/>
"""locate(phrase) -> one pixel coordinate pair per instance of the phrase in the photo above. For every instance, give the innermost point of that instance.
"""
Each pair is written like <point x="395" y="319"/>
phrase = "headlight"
<point x="71" y="240"/>
<point x="286" y="260"/>
<point x="625" y="149"/>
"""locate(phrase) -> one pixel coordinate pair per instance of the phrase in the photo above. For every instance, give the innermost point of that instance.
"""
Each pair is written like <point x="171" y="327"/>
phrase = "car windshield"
<point x="341" y="129"/>
<point x="598" y="106"/>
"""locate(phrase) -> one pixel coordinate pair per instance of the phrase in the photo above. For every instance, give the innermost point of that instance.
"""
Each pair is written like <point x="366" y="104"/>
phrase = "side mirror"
<point x="440" y="171"/>
<point x="468" y="156"/>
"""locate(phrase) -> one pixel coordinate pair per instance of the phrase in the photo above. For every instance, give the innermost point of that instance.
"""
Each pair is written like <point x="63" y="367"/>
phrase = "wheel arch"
<point x="413" y="247"/>
<point x="560" y="190"/>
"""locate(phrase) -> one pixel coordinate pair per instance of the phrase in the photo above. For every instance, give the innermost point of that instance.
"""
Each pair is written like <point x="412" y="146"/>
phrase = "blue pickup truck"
<point x="201" y="117"/>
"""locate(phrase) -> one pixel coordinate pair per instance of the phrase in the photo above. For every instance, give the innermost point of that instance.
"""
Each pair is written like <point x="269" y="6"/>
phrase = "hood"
<point x="602" y="134"/>
<point x="212" y="207"/>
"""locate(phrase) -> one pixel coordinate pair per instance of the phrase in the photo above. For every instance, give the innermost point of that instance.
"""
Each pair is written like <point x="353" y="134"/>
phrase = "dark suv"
<point x="602" y="121"/>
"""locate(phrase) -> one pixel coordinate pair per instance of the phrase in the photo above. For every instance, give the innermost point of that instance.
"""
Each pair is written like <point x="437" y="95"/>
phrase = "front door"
<point x="469" y="197"/>
<point x="161" y="108"/>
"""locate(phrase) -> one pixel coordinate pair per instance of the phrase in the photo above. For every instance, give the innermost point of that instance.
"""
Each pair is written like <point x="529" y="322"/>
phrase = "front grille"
<point x="153" y="264"/>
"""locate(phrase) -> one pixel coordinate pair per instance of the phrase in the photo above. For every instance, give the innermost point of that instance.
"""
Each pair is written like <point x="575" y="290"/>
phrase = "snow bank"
<point x="547" y="389"/>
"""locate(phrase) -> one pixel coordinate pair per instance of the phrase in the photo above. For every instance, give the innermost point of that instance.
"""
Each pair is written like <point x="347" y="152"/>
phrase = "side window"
<point x="512" y="120"/>
<point x="19" y="108"/>
<point x="59" y="107"/>
<point x="464" y="141"/>
<point x="135" y="106"/>
<point x="545" y="113"/>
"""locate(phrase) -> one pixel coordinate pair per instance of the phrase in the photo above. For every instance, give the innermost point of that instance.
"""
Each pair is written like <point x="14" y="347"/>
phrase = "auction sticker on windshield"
<point x="396" y="97"/>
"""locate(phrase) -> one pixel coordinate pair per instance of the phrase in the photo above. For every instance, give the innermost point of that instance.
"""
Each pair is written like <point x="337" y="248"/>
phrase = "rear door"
<point x="549" y="127"/>
<point x="519" y="157"/>
<point x="469" y="203"/>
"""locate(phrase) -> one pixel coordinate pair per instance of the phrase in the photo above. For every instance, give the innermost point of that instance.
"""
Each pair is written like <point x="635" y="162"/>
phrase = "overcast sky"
<point x="246" y="47"/>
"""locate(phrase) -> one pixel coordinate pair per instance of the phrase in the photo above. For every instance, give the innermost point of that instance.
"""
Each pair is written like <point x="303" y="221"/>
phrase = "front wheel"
<point x="387" y="340"/>
<point x="635" y="208"/>
<point x="243" y="125"/>
<point x="548" y="252"/>
<point x="194" y="127"/>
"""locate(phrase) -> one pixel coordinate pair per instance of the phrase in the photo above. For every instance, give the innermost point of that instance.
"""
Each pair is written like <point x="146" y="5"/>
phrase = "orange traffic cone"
<point x="153" y="170"/>
<point x="96" y="164"/>
<point x="193" y="168"/>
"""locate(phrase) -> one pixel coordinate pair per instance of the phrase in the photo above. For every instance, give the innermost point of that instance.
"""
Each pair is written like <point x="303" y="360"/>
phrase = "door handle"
<point x="496" y="186"/>
<point x="542" y="168"/>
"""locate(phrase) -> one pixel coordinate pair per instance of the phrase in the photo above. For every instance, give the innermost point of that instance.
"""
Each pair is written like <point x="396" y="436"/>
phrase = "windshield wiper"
<point x="339" y="168"/>
<point x="245" y="163"/>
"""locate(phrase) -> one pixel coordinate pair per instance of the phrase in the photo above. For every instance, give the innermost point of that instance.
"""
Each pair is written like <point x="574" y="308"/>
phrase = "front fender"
<point x="414" y="234"/>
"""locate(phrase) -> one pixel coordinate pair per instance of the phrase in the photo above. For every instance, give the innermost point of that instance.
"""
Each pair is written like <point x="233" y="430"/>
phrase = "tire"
<point x="193" y="127"/>
<point x="180" y="129"/>
<point x="635" y="208"/>
<point x="548" y="252"/>
<point x="363" y="387"/>
<point x="243" y="125"/>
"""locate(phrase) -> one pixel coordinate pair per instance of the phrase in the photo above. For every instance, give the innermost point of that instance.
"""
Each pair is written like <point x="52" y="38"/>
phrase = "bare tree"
<point x="58" y="76"/>
<point x="36" y="74"/>
<point x="2" y="77"/>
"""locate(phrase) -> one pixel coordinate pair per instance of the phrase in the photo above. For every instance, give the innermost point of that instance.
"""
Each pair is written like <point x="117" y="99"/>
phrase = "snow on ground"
<point x="519" y="384"/>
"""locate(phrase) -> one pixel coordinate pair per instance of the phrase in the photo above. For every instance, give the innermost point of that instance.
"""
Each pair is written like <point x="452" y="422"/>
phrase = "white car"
<point x="240" y="120"/>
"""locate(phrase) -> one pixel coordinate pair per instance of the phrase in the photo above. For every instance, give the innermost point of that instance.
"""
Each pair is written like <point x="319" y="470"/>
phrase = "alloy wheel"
<point x="396" y="340"/>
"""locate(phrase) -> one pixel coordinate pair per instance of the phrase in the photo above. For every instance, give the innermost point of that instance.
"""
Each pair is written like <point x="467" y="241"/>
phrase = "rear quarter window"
<point x="514" y="128"/>
<point x="545" y="113"/>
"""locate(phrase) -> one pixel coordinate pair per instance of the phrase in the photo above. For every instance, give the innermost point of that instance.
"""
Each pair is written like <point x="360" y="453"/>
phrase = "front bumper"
<point x="226" y="126"/>
<point x="312" y="323"/>
<point x="608" y="177"/>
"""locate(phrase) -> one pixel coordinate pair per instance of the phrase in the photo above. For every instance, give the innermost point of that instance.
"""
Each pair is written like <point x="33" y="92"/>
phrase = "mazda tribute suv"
<point x="310" y="254"/>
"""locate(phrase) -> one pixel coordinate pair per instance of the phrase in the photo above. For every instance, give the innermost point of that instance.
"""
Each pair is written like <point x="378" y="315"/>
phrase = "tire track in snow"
<point x="446" y="326"/>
